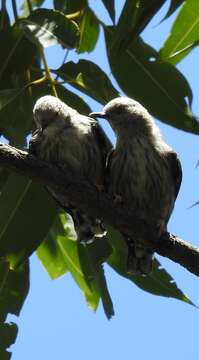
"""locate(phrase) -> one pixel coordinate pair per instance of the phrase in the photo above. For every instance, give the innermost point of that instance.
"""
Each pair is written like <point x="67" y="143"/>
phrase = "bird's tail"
<point x="87" y="227"/>
<point x="140" y="259"/>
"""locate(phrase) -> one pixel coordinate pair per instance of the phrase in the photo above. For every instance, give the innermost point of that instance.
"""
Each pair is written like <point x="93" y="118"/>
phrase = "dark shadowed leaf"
<point x="73" y="100"/>
<point x="26" y="214"/>
<point x="184" y="32"/>
<point x="158" y="85"/>
<point x="89" y="31"/>
<point x="174" y="4"/>
<point x="13" y="45"/>
<point x="158" y="283"/>
<point x="110" y="6"/>
<point x="60" y="5"/>
<point x="89" y="78"/>
<point x="50" y="27"/>
<point x="8" y="334"/>
<point x="14" y="287"/>
<point x="8" y="96"/>
<point x="134" y="17"/>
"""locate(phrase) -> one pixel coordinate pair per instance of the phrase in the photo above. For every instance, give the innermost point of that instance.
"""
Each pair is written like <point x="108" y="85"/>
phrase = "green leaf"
<point x="8" y="334"/>
<point x="50" y="253"/>
<point x="174" y="4"/>
<point x="26" y="214"/>
<point x="91" y="258"/>
<point x="13" y="45"/>
<point x="158" y="85"/>
<point x="110" y="6"/>
<point x="158" y="283"/>
<point x="7" y="96"/>
<point x="50" y="27"/>
<point x="70" y="250"/>
<point x="89" y="31"/>
<point x="84" y="263"/>
<point x="184" y="32"/>
<point x="88" y="78"/>
<point x="14" y="287"/>
<point x="134" y="17"/>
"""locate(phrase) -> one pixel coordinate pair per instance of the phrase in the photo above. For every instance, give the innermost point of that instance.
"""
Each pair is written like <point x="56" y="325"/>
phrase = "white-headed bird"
<point x="143" y="172"/>
<point x="71" y="141"/>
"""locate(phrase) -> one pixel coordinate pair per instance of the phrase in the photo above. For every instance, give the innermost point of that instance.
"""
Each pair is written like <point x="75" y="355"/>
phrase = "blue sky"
<point x="55" y="322"/>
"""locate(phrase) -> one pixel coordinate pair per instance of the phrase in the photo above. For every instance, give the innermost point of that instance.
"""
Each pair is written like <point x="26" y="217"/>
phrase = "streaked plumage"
<point x="143" y="171"/>
<point x="73" y="141"/>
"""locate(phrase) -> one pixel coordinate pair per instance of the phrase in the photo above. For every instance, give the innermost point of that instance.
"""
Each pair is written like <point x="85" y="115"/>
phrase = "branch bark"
<point x="88" y="198"/>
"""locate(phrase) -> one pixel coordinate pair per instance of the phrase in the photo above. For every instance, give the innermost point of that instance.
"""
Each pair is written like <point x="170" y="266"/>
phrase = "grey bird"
<point x="75" y="142"/>
<point x="143" y="172"/>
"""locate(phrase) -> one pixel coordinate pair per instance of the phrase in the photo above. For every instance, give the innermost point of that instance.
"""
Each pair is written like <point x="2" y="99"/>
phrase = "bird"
<point x="71" y="141"/>
<point x="144" y="173"/>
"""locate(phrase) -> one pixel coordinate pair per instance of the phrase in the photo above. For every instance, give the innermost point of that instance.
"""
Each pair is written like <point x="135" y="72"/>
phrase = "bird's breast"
<point x="141" y="176"/>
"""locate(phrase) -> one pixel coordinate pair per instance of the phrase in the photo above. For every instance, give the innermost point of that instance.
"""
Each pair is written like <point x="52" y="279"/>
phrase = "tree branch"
<point x="88" y="198"/>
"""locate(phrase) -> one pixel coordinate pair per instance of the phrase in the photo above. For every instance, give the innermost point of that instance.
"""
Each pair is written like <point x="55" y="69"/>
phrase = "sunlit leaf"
<point x="158" y="85"/>
<point x="70" y="250"/>
<point x="89" y="78"/>
<point x="159" y="282"/>
<point x="184" y="32"/>
<point x="50" y="27"/>
<point x="89" y="31"/>
<point x="50" y="253"/>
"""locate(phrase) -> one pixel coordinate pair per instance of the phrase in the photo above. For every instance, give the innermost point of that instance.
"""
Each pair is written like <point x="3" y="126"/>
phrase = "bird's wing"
<point x="176" y="170"/>
<point x="103" y="141"/>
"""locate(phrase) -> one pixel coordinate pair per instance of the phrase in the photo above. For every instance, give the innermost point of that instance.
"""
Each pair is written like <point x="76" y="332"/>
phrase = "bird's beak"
<point x="98" y="114"/>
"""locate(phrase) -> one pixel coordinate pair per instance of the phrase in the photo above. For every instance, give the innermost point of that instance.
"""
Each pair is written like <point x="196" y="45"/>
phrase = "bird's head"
<point x="122" y="113"/>
<point x="50" y="114"/>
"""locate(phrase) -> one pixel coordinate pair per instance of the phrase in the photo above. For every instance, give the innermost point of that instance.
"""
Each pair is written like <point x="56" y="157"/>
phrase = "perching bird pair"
<point x="142" y="171"/>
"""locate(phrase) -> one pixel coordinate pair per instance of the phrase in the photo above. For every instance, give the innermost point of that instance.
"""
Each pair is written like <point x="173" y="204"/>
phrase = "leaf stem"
<point x="48" y="73"/>
<point x="74" y="15"/>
